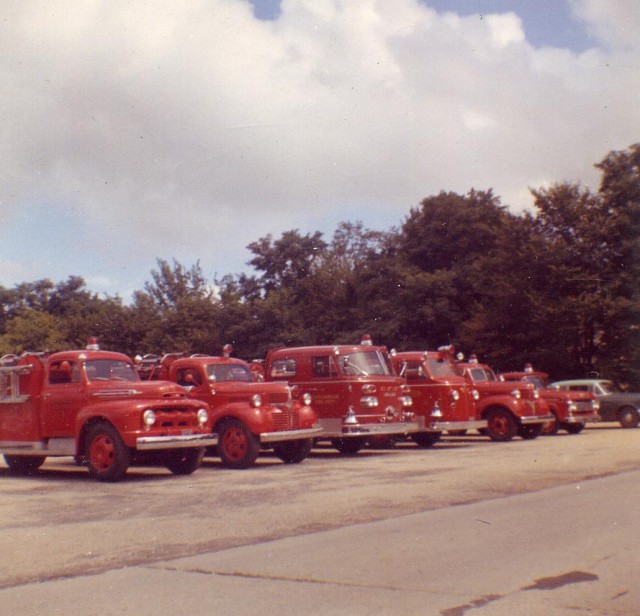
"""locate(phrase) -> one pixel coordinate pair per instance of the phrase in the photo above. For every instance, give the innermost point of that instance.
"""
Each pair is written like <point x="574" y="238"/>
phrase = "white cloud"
<point x="615" y="22"/>
<point x="188" y="130"/>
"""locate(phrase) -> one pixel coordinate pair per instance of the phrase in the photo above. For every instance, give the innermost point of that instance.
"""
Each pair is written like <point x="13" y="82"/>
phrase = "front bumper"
<point x="583" y="418"/>
<point x="290" y="435"/>
<point x="535" y="419"/>
<point x="156" y="443"/>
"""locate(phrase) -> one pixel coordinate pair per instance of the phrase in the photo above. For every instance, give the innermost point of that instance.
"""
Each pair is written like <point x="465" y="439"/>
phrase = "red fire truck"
<point x="90" y="404"/>
<point x="571" y="410"/>
<point x="246" y="414"/>
<point x="510" y="408"/>
<point x="355" y="391"/>
<point x="443" y="399"/>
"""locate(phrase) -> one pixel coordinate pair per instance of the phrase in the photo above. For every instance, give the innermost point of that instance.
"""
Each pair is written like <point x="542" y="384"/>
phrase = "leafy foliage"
<point x="559" y="287"/>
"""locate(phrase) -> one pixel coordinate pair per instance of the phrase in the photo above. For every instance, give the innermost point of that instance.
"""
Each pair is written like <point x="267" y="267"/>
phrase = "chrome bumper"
<point x="290" y="435"/>
<point x="581" y="419"/>
<point x="534" y="419"/>
<point x="150" y="443"/>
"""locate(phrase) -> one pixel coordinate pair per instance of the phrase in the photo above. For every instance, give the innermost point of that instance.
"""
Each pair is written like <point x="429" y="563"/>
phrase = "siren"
<point x="528" y="368"/>
<point x="366" y="340"/>
<point x="473" y="359"/>
<point x="92" y="344"/>
<point x="227" y="350"/>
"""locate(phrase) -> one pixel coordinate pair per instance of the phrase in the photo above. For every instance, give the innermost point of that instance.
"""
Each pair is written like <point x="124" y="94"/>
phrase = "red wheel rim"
<point x="234" y="443"/>
<point x="499" y="425"/>
<point x="102" y="452"/>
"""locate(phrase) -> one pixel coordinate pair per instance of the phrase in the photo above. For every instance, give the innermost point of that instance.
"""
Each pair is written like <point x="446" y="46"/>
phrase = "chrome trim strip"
<point x="290" y="435"/>
<point x="533" y="419"/>
<point x="150" y="443"/>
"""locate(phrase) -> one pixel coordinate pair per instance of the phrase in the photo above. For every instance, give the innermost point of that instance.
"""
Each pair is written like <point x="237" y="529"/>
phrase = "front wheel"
<point x="501" y="425"/>
<point x="107" y="456"/>
<point x="184" y="461"/>
<point x="425" y="439"/>
<point x="529" y="432"/>
<point x="237" y="446"/>
<point x="293" y="452"/>
<point x="24" y="465"/>
<point x="628" y="417"/>
<point x="348" y="446"/>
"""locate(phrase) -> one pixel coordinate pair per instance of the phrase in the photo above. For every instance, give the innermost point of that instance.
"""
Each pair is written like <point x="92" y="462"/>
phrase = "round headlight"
<point x="476" y="394"/>
<point x="149" y="418"/>
<point x="203" y="416"/>
<point x="306" y="399"/>
<point x="516" y="394"/>
<point x="455" y="395"/>
<point x="256" y="400"/>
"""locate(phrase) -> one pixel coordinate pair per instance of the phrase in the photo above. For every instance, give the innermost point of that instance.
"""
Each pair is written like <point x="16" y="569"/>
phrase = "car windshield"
<point x="442" y="368"/>
<point x="365" y="363"/>
<point x="110" y="370"/>
<point x="606" y="387"/>
<point x="221" y="373"/>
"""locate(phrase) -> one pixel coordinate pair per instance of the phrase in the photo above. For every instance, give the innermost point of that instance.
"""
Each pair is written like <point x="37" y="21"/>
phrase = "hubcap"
<point x="234" y="443"/>
<point x="102" y="452"/>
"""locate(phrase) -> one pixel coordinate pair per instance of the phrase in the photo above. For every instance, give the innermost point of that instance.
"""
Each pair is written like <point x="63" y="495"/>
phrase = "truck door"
<point x="62" y="398"/>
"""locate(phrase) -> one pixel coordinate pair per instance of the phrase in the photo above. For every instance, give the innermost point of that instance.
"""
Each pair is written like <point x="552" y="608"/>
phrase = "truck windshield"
<point x="364" y="363"/>
<point x="110" y="369"/>
<point x="221" y="373"/>
<point x="606" y="387"/>
<point x="538" y="381"/>
<point x="478" y="375"/>
<point x="442" y="368"/>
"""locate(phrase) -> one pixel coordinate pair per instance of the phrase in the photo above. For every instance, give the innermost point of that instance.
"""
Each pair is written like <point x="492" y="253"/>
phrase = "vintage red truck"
<point x="443" y="398"/>
<point x="571" y="410"/>
<point x="355" y="391"/>
<point x="91" y="404"/>
<point x="510" y="409"/>
<point x="247" y="415"/>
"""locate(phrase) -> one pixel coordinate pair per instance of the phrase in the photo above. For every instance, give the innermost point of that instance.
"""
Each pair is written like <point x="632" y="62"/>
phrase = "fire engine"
<point x="571" y="410"/>
<point x="510" y="408"/>
<point x="356" y="394"/>
<point x="247" y="415"/>
<point x="443" y="399"/>
<point x="90" y="404"/>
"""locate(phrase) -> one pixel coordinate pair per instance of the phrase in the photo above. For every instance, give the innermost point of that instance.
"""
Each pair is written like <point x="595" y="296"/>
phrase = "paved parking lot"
<point x="61" y="524"/>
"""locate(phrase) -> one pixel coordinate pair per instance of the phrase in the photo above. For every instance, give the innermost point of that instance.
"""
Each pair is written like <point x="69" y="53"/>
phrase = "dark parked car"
<point x="615" y="405"/>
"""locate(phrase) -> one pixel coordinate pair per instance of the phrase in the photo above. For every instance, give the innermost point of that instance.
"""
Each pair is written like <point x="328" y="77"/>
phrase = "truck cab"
<point x="571" y="410"/>
<point x="443" y="399"/>
<point x="356" y="394"/>
<point x="90" y="404"/>
<point x="510" y="409"/>
<point x="246" y="414"/>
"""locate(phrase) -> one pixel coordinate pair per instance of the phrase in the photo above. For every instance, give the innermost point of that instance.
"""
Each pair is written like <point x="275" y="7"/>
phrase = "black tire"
<point x="501" y="425"/>
<point x="551" y="427"/>
<point x="530" y="431"/>
<point x="293" y="452"/>
<point x="348" y="446"/>
<point x="107" y="456"/>
<point x="425" y="439"/>
<point x="574" y="428"/>
<point x="628" y="417"/>
<point x="184" y="461"/>
<point x="24" y="465"/>
<point x="237" y="447"/>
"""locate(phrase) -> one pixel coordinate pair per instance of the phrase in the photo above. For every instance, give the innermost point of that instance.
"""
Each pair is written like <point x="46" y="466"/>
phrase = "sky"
<point x="132" y="131"/>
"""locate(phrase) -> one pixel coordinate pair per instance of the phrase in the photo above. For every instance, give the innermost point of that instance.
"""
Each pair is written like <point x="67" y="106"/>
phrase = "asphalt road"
<point x="469" y="527"/>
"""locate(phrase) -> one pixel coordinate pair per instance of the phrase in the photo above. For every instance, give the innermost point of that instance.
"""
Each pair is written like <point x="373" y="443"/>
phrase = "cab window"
<point x="283" y="368"/>
<point x="62" y="372"/>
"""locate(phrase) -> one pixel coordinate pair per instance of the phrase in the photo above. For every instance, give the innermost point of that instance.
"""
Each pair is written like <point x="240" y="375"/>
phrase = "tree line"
<point x="557" y="287"/>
